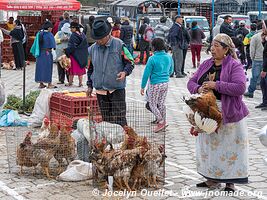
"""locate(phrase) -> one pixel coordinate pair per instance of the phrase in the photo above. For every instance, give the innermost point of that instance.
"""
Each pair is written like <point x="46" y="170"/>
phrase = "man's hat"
<point x="100" y="29"/>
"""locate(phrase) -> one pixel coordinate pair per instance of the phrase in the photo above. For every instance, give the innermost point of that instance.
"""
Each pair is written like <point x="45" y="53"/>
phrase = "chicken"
<point x="66" y="147"/>
<point x="45" y="128"/>
<point x="153" y="160"/>
<point x="6" y="66"/>
<point x="132" y="140"/>
<point x="25" y="152"/>
<point x="206" y="105"/>
<point x="52" y="141"/>
<point x="64" y="62"/>
<point x="138" y="173"/>
<point x="43" y="157"/>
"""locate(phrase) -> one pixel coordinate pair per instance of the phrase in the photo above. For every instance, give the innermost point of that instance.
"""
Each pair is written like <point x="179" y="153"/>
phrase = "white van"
<point x="237" y="19"/>
<point x="202" y="22"/>
<point x="253" y="15"/>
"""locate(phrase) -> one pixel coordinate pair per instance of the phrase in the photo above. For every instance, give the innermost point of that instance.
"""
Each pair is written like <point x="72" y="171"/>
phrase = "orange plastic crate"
<point x="73" y="106"/>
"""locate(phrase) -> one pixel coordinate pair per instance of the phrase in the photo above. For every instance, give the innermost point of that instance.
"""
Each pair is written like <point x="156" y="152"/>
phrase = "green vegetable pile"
<point x="16" y="103"/>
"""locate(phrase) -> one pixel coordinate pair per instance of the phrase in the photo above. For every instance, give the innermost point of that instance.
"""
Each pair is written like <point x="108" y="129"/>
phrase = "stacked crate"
<point x="65" y="108"/>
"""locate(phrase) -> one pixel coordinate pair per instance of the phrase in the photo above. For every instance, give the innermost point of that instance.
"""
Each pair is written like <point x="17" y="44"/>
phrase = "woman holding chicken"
<point x="222" y="156"/>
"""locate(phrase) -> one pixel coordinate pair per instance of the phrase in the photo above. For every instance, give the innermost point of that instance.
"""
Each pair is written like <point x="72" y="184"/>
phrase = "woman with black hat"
<point x="17" y="36"/>
<point x="78" y="53"/>
<point x="44" y="62"/>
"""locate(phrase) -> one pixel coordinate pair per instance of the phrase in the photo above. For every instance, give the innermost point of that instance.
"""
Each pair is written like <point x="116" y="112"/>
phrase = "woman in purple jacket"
<point x="223" y="157"/>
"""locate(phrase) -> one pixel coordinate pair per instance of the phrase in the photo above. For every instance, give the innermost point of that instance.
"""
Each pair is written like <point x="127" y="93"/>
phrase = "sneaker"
<point x="249" y="95"/>
<point x="261" y="106"/>
<point x="160" y="127"/>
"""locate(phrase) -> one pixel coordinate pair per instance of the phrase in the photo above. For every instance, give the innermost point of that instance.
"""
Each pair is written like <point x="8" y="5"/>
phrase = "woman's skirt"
<point x="44" y="67"/>
<point x="75" y="68"/>
<point x="223" y="156"/>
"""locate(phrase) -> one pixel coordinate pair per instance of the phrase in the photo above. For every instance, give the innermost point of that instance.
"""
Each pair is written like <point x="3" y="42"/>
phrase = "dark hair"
<point x="17" y="22"/>
<point x="227" y="17"/>
<point x="91" y="20"/>
<point x="61" y="18"/>
<point x="195" y="31"/>
<point x="117" y="21"/>
<point x="253" y="27"/>
<point x="75" y="25"/>
<point x="146" y="20"/>
<point x="158" y="44"/>
<point x="11" y="18"/>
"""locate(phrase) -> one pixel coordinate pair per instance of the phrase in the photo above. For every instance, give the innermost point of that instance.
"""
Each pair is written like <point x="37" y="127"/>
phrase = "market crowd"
<point x="103" y="49"/>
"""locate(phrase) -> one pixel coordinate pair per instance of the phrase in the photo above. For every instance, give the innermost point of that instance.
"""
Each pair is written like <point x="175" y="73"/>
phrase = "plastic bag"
<point x="41" y="108"/>
<point x="11" y="118"/>
<point x="112" y="132"/>
<point x="77" y="171"/>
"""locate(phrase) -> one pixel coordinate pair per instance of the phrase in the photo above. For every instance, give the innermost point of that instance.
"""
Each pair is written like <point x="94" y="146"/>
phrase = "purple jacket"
<point x="232" y="86"/>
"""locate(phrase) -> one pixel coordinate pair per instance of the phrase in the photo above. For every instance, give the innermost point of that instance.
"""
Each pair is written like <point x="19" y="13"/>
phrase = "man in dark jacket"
<point x="107" y="72"/>
<point x="177" y="41"/>
<point x="127" y="34"/>
<point x="226" y="27"/>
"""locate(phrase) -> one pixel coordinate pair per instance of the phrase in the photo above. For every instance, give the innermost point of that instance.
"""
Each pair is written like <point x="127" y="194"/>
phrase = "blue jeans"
<point x="256" y="71"/>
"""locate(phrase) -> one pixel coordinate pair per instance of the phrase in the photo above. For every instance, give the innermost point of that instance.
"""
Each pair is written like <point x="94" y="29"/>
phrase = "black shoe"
<point x="184" y="74"/>
<point x="247" y="94"/>
<point x="180" y="76"/>
<point x="261" y="106"/>
<point x="172" y="75"/>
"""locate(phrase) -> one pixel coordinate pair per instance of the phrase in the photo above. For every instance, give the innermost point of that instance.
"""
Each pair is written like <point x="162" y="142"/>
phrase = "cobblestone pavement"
<point x="181" y="175"/>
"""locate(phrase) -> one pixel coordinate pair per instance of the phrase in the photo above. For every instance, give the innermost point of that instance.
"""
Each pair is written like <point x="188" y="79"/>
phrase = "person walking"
<point x="196" y="35"/>
<point x="222" y="157"/>
<point x="127" y="34"/>
<point x="17" y="35"/>
<point x="109" y="78"/>
<point x="256" y="49"/>
<point x="44" y="62"/>
<point x="78" y="54"/>
<point x="147" y="34"/>
<point x="158" y="69"/>
<point x="62" y="39"/>
<point x="176" y="40"/>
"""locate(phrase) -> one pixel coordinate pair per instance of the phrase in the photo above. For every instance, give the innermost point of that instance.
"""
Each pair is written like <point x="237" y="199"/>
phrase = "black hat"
<point x="74" y="25"/>
<point x="47" y="25"/>
<point x="101" y="28"/>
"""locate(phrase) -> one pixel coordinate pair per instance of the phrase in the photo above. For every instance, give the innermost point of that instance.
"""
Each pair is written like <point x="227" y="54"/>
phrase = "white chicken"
<point x="45" y="128"/>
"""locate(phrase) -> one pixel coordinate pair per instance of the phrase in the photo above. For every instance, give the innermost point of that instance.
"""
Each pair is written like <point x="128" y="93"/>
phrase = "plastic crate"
<point x="73" y="106"/>
<point x="61" y="118"/>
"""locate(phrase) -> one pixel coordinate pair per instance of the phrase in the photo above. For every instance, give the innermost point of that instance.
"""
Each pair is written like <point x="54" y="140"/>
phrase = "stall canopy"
<point x="39" y="5"/>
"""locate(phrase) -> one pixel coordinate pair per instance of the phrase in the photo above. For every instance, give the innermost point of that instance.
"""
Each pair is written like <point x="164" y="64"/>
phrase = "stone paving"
<point x="181" y="175"/>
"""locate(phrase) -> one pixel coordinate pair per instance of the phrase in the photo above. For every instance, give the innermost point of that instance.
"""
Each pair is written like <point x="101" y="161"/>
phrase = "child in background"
<point x="158" y="70"/>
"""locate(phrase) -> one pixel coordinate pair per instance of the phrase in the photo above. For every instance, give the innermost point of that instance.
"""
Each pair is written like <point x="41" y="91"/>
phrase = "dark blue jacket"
<point x="227" y="29"/>
<point x="126" y="34"/>
<point x="175" y="35"/>
<point x="78" y="48"/>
